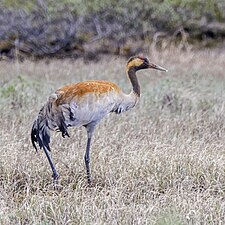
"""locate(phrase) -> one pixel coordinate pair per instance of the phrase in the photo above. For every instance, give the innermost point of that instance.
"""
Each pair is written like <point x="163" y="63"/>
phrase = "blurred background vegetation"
<point x="89" y="28"/>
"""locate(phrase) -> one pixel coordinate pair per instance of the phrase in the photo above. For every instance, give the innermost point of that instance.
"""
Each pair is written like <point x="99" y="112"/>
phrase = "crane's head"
<point x="140" y="62"/>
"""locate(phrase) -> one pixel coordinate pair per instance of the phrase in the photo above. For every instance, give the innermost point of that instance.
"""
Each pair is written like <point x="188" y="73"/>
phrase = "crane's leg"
<point x="55" y="174"/>
<point x="90" y="129"/>
<point x="87" y="160"/>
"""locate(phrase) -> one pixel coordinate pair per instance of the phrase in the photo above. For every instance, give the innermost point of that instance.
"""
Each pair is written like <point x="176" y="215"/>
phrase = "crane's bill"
<point x="157" y="67"/>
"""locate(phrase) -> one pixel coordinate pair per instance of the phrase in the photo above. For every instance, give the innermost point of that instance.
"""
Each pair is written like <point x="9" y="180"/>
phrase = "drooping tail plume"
<point x="40" y="132"/>
<point x="49" y="118"/>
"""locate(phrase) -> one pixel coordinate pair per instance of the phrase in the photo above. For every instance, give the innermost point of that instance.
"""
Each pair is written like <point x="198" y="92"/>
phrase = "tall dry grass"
<point x="161" y="163"/>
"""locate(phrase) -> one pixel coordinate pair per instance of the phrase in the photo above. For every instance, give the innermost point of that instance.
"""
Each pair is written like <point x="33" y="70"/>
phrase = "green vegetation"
<point x="175" y="9"/>
<point x="17" y="91"/>
<point x="89" y="28"/>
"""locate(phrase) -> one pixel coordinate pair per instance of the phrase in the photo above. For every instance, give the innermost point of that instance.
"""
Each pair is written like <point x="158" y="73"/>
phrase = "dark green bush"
<point x="57" y="27"/>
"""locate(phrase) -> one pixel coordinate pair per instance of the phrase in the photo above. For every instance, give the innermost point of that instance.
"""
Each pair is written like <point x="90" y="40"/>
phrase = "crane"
<point x="85" y="104"/>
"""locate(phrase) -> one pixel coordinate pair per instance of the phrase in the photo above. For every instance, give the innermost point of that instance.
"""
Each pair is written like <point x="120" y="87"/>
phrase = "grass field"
<point x="163" y="162"/>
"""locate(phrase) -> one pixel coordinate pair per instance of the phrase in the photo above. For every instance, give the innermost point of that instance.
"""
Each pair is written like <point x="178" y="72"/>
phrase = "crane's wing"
<point x="67" y="93"/>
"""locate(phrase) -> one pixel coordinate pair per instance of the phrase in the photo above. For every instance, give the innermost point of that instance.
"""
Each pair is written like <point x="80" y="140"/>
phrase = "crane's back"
<point x="78" y="90"/>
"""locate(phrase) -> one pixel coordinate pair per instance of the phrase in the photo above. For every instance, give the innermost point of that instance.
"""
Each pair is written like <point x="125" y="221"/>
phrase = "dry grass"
<point x="161" y="163"/>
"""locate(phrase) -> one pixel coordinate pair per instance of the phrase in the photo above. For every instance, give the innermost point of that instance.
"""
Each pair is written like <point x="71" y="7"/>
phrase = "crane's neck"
<point x="131" y="72"/>
<point x="129" y="101"/>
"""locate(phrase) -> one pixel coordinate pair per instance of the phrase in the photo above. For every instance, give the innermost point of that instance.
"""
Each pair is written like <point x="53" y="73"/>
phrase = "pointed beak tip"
<point x="162" y="69"/>
<point x="157" y="67"/>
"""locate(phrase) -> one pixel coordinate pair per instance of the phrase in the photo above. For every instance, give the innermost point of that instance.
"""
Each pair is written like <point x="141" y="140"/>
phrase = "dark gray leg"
<point x="90" y="128"/>
<point x="55" y="174"/>
<point x="87" y="160"/>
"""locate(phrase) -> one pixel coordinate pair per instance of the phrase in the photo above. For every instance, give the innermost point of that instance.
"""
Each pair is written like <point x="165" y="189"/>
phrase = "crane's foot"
<point x="55" y="176"/>
<point x="89" y="180"/>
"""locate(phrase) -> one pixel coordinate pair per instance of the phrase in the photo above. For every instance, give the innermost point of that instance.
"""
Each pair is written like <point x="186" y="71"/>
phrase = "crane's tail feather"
<point x="48" y="119"/>
<point x="34" y="135"/>
<point x="40" y="132"/>
<point x="62" y="125"/>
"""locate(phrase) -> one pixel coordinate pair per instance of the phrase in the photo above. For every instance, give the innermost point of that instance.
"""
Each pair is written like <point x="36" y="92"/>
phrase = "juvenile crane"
<point x="85" y="104"/>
